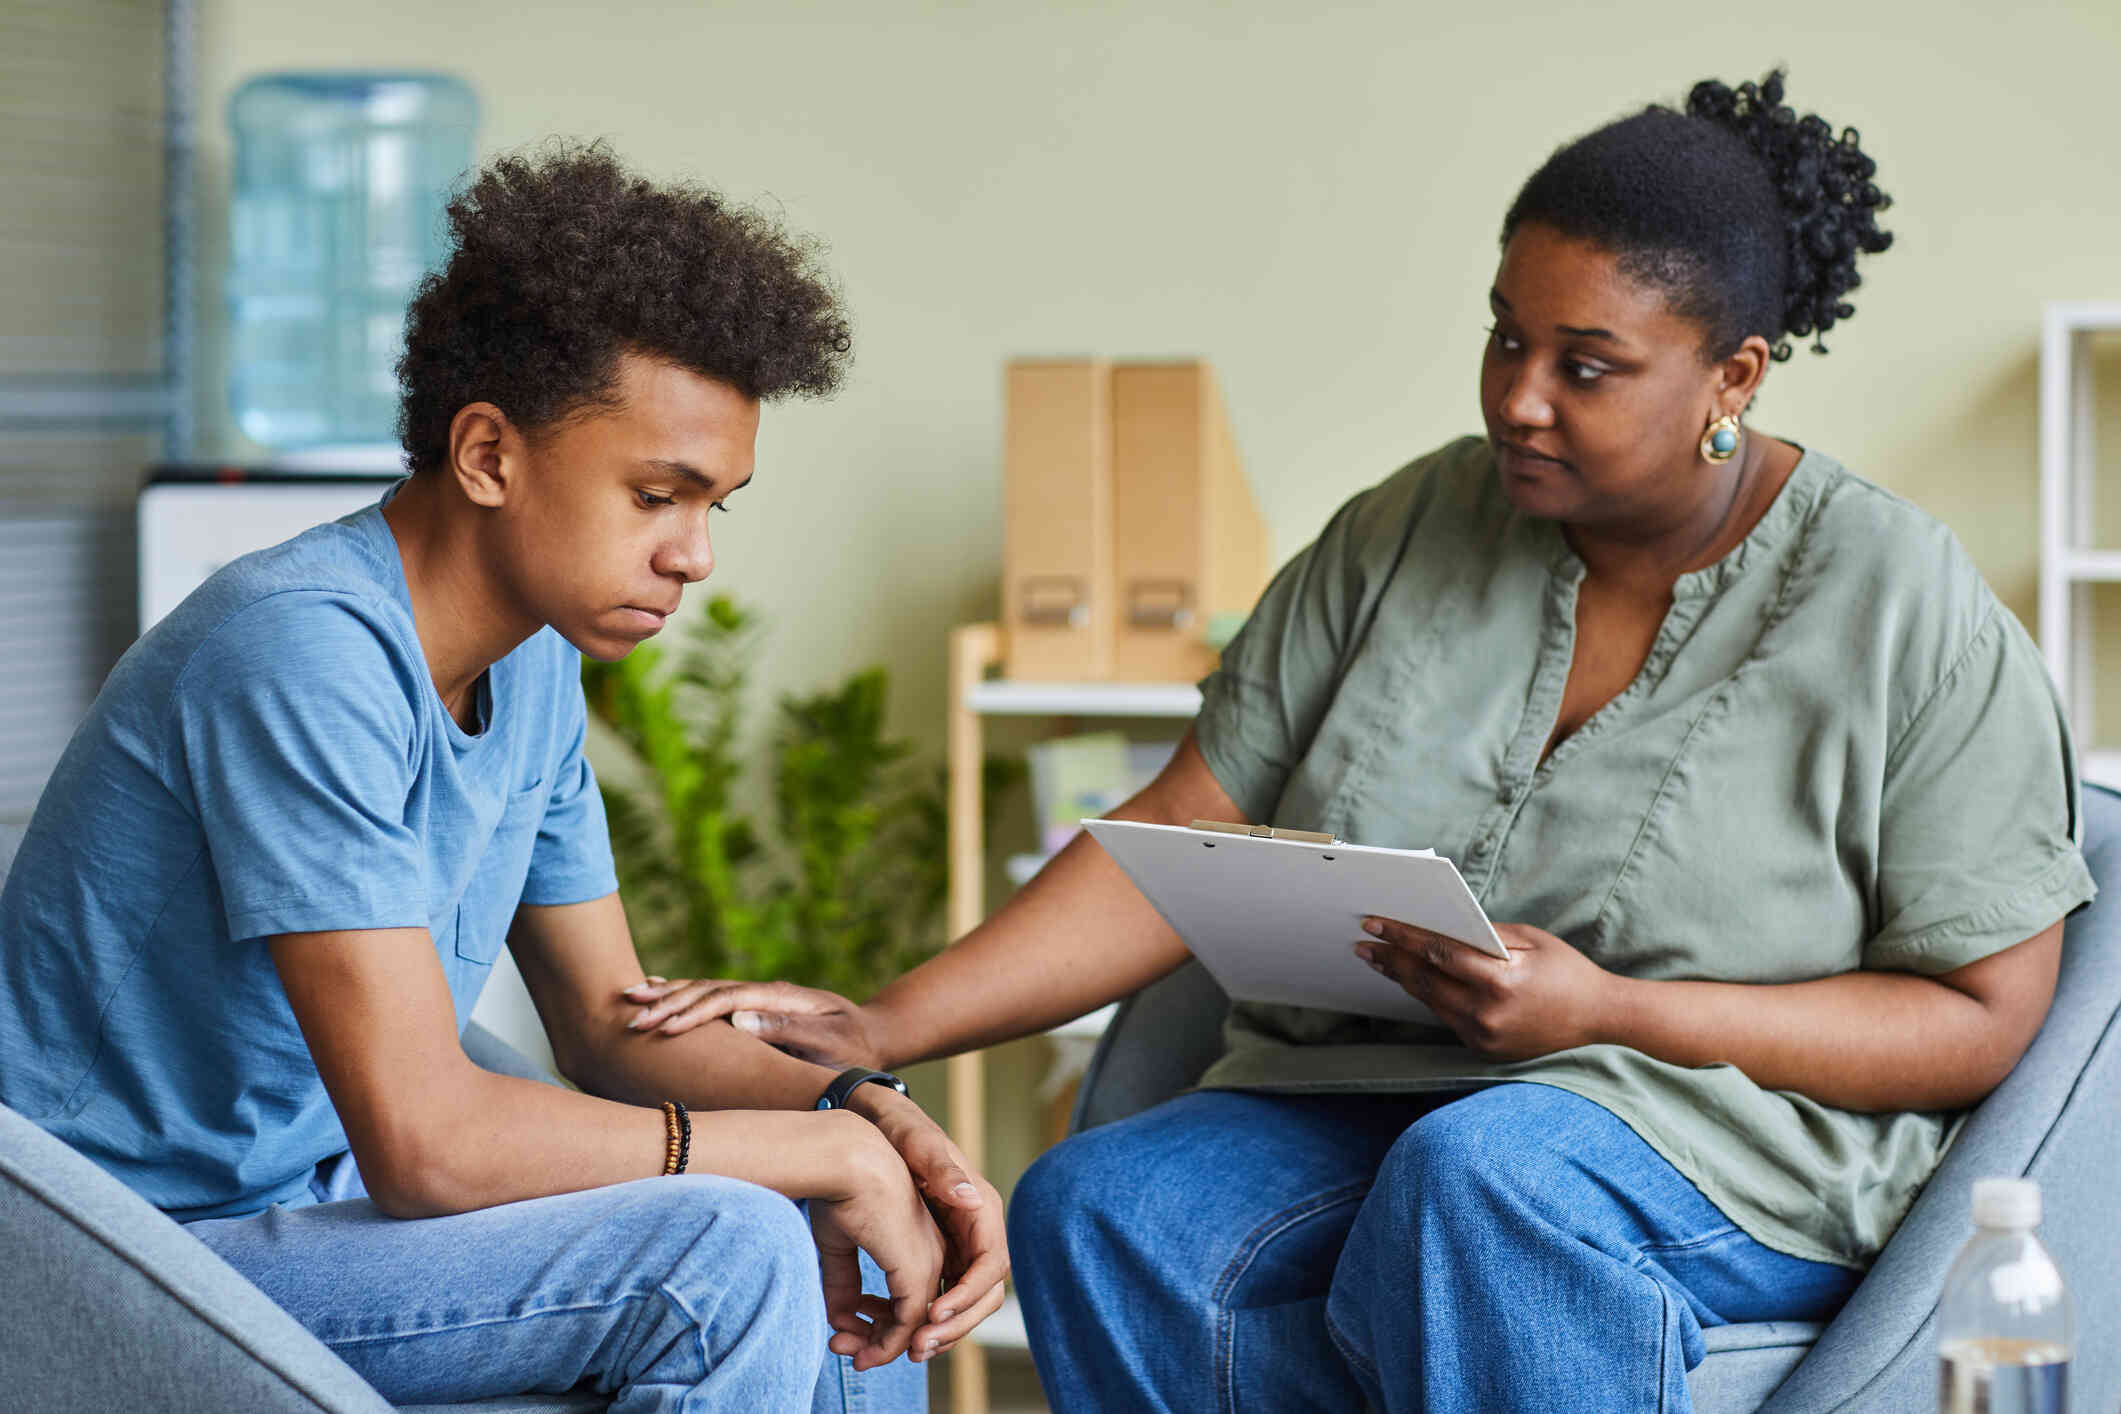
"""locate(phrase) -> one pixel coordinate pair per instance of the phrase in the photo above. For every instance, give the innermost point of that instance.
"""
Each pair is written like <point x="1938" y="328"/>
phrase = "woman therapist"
<point x="1768" y="793"/>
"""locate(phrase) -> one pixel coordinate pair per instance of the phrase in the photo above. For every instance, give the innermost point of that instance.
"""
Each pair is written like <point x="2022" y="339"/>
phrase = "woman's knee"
<point x="1462" y="1189"/>
<point x="1504" y="1147"/>
<point x="1076" y="1202"/>
<point x="1051" y="1191"/>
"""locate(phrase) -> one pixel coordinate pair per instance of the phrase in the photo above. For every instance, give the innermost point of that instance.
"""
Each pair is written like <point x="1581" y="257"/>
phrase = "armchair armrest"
<point x="108" y="1304"/>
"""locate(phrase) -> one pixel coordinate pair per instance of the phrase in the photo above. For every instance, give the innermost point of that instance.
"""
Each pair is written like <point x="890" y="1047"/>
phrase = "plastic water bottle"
<point x="336" y="212"/>
<point x="2003" y="1327"/>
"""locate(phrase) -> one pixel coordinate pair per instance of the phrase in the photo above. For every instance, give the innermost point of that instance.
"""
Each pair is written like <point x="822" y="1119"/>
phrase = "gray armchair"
<point x="105" y="1304"/>
<point x="2056" y="1119"/>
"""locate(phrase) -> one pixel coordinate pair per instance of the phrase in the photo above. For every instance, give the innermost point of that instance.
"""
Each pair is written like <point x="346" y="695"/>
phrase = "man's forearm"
<point x="577" y="960"/>
<point x="708" y="1068"/>
<point x="725" y="1075"/>
<point x="508" y="1140"/>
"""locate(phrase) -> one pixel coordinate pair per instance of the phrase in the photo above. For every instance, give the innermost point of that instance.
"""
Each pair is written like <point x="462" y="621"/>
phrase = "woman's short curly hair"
<point x="1749" y="217"/>
<point x="561" y="261"/>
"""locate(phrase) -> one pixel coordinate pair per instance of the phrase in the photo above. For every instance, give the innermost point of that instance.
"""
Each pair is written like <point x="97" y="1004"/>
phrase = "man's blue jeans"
<point x="690" y="1293"/>
<point x="1518" y="1249"/>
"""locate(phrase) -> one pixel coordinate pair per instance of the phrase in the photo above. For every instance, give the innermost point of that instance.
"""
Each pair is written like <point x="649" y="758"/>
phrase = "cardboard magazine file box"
<point x="1057" y="520"/>
<point x="1188" y="543"/>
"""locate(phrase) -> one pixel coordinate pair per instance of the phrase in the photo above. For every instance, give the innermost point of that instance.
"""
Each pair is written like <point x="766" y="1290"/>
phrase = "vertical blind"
<point x="81" y="229"/>
<point x="82" y="310"/>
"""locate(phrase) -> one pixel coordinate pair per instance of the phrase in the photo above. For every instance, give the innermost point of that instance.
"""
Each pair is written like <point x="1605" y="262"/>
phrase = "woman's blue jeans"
<point x="690" y="1293"/>
<point x="1518" y="1249"/>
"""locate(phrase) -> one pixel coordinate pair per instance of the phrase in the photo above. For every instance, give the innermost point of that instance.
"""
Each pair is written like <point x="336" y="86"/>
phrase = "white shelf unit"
<point x="974" y="650"/>
<point x="999" y="697"/>
<point x="2068" y="475"/>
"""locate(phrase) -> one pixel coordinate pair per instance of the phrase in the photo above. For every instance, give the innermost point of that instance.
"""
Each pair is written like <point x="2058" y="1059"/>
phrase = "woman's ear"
<point x="1738" y="376"/>
<point x="481" y="446"/>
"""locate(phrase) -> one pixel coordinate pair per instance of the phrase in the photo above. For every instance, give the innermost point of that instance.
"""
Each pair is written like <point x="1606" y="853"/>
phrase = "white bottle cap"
<point x="2006" y="1203"/>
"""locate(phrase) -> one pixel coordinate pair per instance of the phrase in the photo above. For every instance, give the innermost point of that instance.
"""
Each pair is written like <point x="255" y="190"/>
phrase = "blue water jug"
<point x="335" y="213"/>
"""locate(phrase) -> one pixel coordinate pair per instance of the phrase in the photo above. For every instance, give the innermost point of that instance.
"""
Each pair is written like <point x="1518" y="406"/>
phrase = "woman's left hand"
<point x="808" y="1023"/>
<point x="1547" y="997"/>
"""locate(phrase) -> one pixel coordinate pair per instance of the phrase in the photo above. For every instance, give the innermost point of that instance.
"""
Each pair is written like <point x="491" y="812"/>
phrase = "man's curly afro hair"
<point x="561" y="261"/>
<point x="1747" y="216"/>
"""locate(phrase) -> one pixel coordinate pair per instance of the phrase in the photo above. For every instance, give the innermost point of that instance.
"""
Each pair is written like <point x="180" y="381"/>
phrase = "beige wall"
<point x="1309" y="200"/>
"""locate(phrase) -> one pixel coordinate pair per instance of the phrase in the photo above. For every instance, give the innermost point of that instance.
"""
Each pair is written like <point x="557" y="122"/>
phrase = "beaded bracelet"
<point x="677" y="1137"/>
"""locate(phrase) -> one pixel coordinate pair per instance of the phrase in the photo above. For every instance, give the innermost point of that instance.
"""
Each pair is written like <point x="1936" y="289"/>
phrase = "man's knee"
<point x="746" y="1216"/>
<point x="741" y="1242"/>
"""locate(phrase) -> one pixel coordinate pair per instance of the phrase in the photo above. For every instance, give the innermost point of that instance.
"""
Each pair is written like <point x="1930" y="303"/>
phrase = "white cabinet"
<point x="194" y="520"/>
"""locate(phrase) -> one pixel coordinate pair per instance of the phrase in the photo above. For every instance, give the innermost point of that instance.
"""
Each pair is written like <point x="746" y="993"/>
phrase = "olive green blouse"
<point x="1842" y="753"/>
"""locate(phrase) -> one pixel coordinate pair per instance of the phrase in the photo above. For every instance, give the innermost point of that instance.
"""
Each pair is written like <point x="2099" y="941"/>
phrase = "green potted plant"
<point x="847" y="891"/>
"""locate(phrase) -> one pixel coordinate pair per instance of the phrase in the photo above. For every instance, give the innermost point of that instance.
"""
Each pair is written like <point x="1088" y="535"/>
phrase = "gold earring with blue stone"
<point x="1720" y="443"/>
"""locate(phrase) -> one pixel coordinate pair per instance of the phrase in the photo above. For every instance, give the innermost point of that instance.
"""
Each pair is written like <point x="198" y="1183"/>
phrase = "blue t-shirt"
<point x="271" y="758"/>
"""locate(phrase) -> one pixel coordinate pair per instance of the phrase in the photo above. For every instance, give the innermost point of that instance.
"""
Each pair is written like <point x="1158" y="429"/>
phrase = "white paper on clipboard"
<point x="1277" y="920"/>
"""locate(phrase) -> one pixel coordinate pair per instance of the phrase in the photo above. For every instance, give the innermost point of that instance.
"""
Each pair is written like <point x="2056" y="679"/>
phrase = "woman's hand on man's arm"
<point x="1869" y="1041"/>
<point x="578" y="962"/>
<point x="964" y="1204"/>
<point x="1077" y="936"/>
<point x="808" y="1023"/>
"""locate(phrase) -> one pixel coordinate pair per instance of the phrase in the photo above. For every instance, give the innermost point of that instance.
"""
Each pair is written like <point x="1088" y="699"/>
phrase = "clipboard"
<point x="1274" y="914"/>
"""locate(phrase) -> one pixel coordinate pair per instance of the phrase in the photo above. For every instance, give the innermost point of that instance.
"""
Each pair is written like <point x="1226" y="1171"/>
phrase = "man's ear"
<point x="485" y="451"/>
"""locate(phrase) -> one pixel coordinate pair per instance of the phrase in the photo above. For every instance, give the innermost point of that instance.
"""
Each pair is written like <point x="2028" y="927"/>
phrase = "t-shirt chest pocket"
<point x="489" y="901"/>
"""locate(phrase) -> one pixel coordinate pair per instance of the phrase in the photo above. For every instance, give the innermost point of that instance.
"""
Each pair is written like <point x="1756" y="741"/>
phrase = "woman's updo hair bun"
<point x="1747" y="215"/>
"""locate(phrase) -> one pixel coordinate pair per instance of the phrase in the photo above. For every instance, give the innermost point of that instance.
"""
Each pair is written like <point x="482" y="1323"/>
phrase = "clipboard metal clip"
<point x="1267" y="832"/>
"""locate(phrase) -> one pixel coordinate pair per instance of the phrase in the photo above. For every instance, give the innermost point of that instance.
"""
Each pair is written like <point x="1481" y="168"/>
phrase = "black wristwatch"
<point x="848" y="1080"/>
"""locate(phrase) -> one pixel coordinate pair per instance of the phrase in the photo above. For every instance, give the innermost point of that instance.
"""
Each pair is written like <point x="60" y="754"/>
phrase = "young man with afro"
<point x="276" y="864"/>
